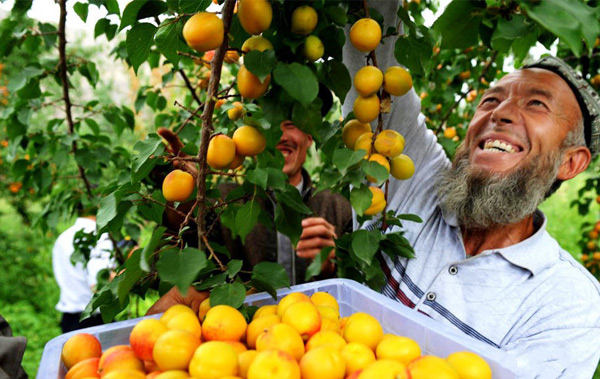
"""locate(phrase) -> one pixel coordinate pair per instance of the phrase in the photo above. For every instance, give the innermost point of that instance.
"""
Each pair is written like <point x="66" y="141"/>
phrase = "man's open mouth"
<point x="285" y="150"/>
<point x="498" y="146"/>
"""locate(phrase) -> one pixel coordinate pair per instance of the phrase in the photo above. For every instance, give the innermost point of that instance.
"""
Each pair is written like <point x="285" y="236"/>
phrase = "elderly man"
<point x="484" y="261"/>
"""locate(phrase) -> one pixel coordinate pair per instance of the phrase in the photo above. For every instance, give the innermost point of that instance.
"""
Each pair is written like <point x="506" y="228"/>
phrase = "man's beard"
<point x="481" y="200"/>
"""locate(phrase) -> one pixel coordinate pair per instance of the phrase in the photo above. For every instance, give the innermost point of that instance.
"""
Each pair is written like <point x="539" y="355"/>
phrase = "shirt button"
<point x="453" y="270"/>
<point x="431" y="296"/>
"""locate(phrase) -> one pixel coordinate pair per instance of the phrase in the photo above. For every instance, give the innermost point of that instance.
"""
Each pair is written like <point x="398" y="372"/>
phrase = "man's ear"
<point x="310" y="139"/>
<point x="575" y="161"/>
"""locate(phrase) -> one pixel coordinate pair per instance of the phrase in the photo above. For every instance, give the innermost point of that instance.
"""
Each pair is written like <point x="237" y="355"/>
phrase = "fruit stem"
<point x="384" y="221"/>
<point x="207" y="127"/>
<point x="189" y="86"/>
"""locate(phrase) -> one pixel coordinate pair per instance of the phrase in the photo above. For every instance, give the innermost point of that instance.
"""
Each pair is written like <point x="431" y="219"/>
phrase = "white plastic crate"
<point x="433" y="338"/>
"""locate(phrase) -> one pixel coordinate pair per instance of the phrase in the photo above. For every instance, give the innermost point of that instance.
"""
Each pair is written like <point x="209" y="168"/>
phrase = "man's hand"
<point x="192" y="299"/>
<point x="317" y="233"/>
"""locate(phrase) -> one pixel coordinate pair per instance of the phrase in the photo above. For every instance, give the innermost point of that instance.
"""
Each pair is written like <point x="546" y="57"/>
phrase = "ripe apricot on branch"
<point x="255" y="15"/>
<point x="204" y="31"/>
<point x="249" y="141"/>
<point x="389" y="143"/>
<point x="313" y="48"/>
<point x="397" y="81"/>
<point x="221" y="152"/>
<point x="235" y="112"/>
<point x="352" y="130"/>
<point x="450" y="132"/>
<point x="402" y="167"/>
<point x="258" y="43"/>
<point x="364" y="142"/>
<point x="304" y="20"/>
<point x="178" y="185"/>
<point x="377" y="205"/>
<point x="249" y="86"/>
<point x="368" y="80"/>
<point x="366" y="109"/>
<point x="365" y="34"/>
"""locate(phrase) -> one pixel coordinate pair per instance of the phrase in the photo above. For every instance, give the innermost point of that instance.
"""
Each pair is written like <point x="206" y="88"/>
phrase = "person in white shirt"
<point x="76" y="281"/>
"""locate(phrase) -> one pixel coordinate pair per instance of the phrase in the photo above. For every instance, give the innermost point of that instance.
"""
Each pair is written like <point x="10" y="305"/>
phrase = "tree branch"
<point x="62" y="44"/>
<point x="207" y="127"/>
<point x="190" y="87"/>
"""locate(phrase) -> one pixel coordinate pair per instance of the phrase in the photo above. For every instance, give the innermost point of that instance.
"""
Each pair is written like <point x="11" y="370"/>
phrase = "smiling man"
<point x="485" y="263"/>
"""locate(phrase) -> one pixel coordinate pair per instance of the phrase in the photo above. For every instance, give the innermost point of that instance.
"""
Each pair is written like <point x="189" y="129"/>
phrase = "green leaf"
<point x="151" y="247"/>
<point x="375" y="170"/>
<point x="140" y="9"/>
<point x="288" y="221"/>
<point x="233" y="267"/>
<point x="246" y="218"/>
<point x="509" y="30"/>
<point x="260" y="63"/>
<point x="314" y="268"/>
<point x="292" y="199"/>
<point x="298" y="81"/>
<point x="308" y="118"/>
<point x="82" y="10"/>
<point x="181" y="267"/>
<point x="571" y="21"/>
<point x="457" y="23"/>
<point x="258" y="176"/>
<point x="395" y="244"/>
<point x="142" y="164"/>
<point x="232" y="294"/>
<point x="344" y="158"/>
<point x="103" y="26"/>
<point x="168" y="40"/>
<point x="365" y="244"/>
<point x="193" y="6"/>
<point x="335" y="75"/>
<point x="130" y="276"/>
<point x="153" y="210"/>
<point x="269" y="277"/>
<point x="139" y="41"/>
<point x="360" y="198"/>
<point x="267" y="177"/>
<point x="413" y="53"/>
<point x="211" y="282"/>
<point x="336" y="15"/>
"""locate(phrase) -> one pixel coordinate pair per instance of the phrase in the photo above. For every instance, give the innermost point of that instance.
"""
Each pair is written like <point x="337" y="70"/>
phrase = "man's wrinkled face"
<point x="527" y="114"/>
<point x="512" y="153"/>
<point x="294" y="144"/>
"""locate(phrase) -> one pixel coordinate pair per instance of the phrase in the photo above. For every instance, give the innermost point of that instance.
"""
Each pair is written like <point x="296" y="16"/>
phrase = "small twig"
<point x="190" y="117"/>
<point x="222" y="204"/>
<point x="224" y="173"/>
<point x="213" y="254"/>
<point x="384" y="221"/>
<point x="178" y="104"/>
<point x="163" y="204"/>
<point x="189" y="86"/>
<point x="191" y="56"/>
<point x="366" y="8"/>
<point x="48" y="103"/>
<point x="187" y="217"/>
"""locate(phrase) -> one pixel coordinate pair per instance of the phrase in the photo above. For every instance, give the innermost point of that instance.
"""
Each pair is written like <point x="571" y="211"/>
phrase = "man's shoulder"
<point x="328" y="198"/>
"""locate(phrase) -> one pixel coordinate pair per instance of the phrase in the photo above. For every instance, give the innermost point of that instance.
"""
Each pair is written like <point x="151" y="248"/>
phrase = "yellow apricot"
<point x="255" y="15"/>
<point x="368" y="80"/>
<point x="304" y="20"/>
<point x="248" y="84"/>
<point x="366" y="109"/>
<point x="402" y="167"/>
<point x="365" y="34"/>
<point x="352" y="130"/>
<point x="221" y="152"/>
<point x="178" y="186"/>
<point x="204" y="31"/>
<point x="389" y="143"/>
<point x="397" y="81"/>
<point x="377" y="205"/>
<point x="249" y="141"/>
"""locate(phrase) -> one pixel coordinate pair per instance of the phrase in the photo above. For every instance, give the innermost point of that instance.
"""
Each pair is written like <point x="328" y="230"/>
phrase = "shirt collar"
<point x="533" y="254"/>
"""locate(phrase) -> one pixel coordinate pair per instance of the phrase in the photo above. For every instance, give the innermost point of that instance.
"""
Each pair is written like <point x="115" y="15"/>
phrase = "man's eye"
<point x="537" y="103"/>
<point x="489" y="100"/>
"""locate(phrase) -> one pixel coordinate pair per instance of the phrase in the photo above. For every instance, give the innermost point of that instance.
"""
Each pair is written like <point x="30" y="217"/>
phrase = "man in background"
<point x="76" y="280"/>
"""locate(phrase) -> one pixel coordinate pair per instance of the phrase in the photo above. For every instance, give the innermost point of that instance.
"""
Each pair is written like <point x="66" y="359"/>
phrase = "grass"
<point x="29" y="293"/>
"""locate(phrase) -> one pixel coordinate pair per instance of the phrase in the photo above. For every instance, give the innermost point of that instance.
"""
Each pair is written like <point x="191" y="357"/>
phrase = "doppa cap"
<point x="587" y="97"/>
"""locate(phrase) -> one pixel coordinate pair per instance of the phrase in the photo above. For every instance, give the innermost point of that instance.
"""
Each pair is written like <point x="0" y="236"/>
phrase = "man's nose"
<point x="505" y="113"/>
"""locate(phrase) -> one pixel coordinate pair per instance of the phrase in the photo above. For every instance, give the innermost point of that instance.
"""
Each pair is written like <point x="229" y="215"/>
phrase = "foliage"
<point x="89" y="155"/>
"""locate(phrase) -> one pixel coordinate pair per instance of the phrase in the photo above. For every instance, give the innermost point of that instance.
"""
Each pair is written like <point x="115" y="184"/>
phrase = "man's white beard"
<point x="481" y="200"/>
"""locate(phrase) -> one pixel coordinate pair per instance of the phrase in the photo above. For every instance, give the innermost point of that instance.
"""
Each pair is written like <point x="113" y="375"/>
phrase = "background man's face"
<point x="293" y="144"/>
<point x="527" y="114"/>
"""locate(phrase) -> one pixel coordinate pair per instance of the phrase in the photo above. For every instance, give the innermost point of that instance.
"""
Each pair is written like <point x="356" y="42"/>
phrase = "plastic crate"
<point x="433" y="337"/>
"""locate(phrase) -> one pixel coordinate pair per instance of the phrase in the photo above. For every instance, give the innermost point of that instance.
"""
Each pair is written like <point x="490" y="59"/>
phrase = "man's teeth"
<point x="498" y="146"/>
<point x="285" y="153"/>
